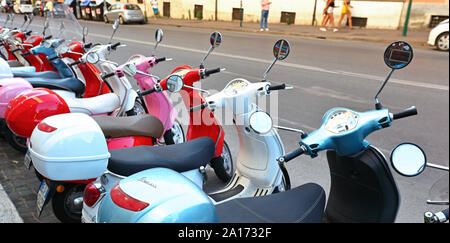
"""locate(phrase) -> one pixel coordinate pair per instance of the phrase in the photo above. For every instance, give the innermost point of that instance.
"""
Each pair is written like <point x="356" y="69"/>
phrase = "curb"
<point x="317" y="36"/>
<point x="8" y="212"/>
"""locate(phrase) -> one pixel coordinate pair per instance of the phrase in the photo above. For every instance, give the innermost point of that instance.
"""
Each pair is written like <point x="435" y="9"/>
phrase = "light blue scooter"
<point x="362" y="186"/>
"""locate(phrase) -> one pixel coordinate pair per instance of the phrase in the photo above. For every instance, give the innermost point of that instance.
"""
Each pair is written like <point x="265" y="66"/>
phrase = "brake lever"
<point x="201" y="90"/>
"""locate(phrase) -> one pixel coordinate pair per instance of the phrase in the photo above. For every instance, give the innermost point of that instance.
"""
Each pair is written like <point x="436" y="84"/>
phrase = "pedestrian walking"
<point x="155" y="7"/>
<point x="328" y="16"/>
<point x="346" y="11"/>
<point x="265" y="6"/>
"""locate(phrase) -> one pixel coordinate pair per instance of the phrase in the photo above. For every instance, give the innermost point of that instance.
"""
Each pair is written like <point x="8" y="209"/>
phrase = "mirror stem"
<point x="207" y="54"/>
<point x="378" y="105"/>
<point x="268" y="69"/>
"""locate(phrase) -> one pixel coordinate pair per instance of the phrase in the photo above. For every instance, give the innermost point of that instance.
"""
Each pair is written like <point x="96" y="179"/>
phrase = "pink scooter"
<point x="157" y="104"/>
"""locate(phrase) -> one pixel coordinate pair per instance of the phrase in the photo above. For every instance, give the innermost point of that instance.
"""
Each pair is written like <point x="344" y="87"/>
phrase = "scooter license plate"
<point x="41" y="197"/>
<point x="27" y="160"/>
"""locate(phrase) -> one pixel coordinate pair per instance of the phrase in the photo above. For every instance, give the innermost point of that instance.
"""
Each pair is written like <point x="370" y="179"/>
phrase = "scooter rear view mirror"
<point x="398" y="55"/>
<point x="85" y="33"/>
<point x="115" y="27"/>
<point x="260" y="122"/>
<point x="158" y="37"/>
<point x="130" y="69"/>
<point x="408" y="159"/>
<point x="215" y="40"/>
<point x="281" y="51"/>
<point x="174" y="83"/>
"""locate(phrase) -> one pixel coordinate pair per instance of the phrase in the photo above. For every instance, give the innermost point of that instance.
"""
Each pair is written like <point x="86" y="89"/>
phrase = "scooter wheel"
<point x="175" y="135"/>
<point x="17" y="142"/>
<point x="223" y="165"/>
<point x="66" y="204"/>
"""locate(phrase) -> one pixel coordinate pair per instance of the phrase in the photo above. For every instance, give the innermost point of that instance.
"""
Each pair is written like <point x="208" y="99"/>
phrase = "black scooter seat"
<point x="303" y="204"/>
<point x="43" y="75"/>
<point x="69" y="84"/>
<point x="179" y="157"/>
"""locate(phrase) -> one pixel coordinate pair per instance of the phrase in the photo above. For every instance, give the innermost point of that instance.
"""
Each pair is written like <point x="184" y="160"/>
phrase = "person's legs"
<point x="262" y="20"/>
<point x="266" y="16"/>
<point x="349" y="16"/>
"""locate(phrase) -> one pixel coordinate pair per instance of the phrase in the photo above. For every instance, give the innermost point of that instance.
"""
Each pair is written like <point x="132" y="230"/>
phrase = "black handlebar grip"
<point x="48" y="37"/>
<point x="148" y="91"/>
<point x="108" y="75"/>
<point x="26" y="53"/>
<point x="75" y="63"/>
<point x="114" y="46"/>
<point x="294" y="154"/>
<point x="53" y="58"/>
<point x="277" y="87"/>
<point x="445" y="212"/>
<point x="211" y="71"/>
<point x="28" y="33"/>
<point x="162" y="59"/>
<point x="198" y="107"/>
<point x="405" y="113"/>
<point x="87" y="46"/>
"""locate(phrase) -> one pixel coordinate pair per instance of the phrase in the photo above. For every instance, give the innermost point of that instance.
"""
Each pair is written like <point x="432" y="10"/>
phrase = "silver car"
<point x="125" y="12"/>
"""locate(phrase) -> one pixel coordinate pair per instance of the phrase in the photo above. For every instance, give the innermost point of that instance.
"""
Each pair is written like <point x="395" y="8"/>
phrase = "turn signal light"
<point x="121" y="199"/>
<point x="91" y="194"/>
<point x="46" y="128"/>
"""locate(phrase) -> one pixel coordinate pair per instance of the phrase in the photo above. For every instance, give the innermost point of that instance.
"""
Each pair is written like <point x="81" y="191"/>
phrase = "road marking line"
<point x="292" y="65"/>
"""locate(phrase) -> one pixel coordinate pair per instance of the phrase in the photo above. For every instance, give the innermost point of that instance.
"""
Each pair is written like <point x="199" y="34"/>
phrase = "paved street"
<point x="325" y="73"/>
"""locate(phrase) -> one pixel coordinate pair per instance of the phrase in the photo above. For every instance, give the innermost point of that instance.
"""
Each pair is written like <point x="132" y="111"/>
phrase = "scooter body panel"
<point x="362" y="190"/>
<point x="162" y="189"/>
<point x="9" y="88"/>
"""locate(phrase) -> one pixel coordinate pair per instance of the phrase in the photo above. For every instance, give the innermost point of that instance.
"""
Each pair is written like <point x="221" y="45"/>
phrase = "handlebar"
<point x="108" y="75"/>
<point x="198" y="107"/>
<point x="75" y="63"/>
<point x="53" y="58"/>
<point x="28" y="33"/>
<point x="293" y="154"/>
<point x="277" y="87"/>
<point x="212" y="71"/>
<point x="114" y="46"/>
<point x="87" y="46"/>
<point x="48" y="37"/>
<point x="405" y="113"/>
<point x="162" y="59"/>
<point x="146" y="92"/>
<point x="439" y="217"/>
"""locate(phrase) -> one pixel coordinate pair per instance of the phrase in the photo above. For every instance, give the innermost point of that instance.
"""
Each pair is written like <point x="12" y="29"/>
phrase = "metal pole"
<point x="216" y="11"/>
<point x="314" y="13"/>
<point x="241" y="15"/>
<point x="408" y="12"/>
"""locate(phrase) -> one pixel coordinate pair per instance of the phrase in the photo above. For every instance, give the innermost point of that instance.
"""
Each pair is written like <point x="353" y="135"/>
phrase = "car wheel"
<point x="121" y="22"/>
<point x="442" y="42"/>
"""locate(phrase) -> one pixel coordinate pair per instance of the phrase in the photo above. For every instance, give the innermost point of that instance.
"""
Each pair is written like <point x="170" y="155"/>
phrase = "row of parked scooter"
<point x="105" y="152"/>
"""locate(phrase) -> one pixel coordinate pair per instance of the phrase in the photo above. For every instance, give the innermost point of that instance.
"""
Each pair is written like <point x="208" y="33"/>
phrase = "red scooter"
<point x="202" y="122"/>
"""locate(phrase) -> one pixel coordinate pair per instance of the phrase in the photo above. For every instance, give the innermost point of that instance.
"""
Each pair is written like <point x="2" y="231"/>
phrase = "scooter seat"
<point x="303" y="204"/>
<point x="43" y="75"/>
<point x="69" y="84"/>
<point x="14" y="63"/>
<point x="179" y="157"/>
<point x="24" y="69"/>
<point x="140" y="125"/>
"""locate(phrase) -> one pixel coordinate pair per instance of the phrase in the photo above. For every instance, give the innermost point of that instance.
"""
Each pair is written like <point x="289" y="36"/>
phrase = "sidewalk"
<point x="8" y="212"/>
<point x="414" y="37"/>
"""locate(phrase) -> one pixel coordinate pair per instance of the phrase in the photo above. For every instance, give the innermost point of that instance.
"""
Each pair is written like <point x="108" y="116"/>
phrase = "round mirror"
<point x="398" y="55"/>
<point x="92" y="57"/>
<point x="281" y="49"/>
<point x="64" y="49"/>
<point x="260" y="122"/>
<point x="116" y="24"/>
<point x="216" y="39"/>
<point x="130" y="69"/>
<point x="174" y="83"/>
<point x="408" y="159"/>
<point x="85" y="31"/>
<point x="159" y="35"/>
<point x="46" y="23"/>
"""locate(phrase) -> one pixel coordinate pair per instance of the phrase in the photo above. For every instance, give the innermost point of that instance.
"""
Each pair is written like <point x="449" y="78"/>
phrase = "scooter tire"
<point x="17" y="142"/>
<point x="224" y="173"/>
<point x="61" y="206"/>
<point x="168" y="135"/>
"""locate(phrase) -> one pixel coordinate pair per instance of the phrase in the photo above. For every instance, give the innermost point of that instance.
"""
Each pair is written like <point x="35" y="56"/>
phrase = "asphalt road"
<point x="324" y="74"/>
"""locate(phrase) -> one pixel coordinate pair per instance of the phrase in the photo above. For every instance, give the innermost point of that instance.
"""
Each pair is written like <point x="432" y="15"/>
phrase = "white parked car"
<point x="439" y="36"/>
<point x="23" y="6"/>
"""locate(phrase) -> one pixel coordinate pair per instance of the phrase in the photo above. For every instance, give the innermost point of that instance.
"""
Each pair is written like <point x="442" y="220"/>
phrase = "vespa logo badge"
<point x="148" y="182"/>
